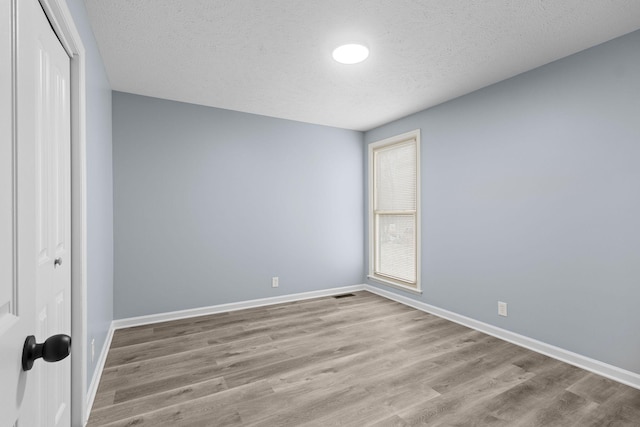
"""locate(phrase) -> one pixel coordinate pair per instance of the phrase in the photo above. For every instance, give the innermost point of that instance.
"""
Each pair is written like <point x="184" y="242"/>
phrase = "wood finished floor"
<point x="355" y="361"/>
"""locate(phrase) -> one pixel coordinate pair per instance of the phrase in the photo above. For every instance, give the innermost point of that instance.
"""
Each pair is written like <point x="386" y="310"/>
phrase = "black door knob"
<point x="55" y="348"/>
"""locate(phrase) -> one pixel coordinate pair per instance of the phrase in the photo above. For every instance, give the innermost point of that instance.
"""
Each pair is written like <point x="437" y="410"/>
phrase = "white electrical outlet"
<point x="275" y="282"/>
<point x="502" y="308"/>
<point x="93" y="349"/>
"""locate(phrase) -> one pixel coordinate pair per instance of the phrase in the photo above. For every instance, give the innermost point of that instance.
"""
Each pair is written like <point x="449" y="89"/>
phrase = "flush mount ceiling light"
<point x="350" y="53"/>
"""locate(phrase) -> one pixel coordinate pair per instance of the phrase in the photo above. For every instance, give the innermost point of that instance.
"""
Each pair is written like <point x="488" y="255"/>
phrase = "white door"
<point x="35" y="296"/>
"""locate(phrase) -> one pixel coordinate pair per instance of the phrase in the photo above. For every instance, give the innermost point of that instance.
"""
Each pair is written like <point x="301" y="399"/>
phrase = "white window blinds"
<point x="396" y="177"/>
<point x="394" y="167"/>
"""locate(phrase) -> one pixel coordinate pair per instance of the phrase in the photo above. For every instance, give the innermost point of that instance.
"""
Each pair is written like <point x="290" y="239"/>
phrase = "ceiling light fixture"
<point x="350" y="53"/>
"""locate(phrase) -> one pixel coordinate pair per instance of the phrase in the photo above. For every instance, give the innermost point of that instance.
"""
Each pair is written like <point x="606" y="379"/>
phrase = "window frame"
<point x="373" y="249"/>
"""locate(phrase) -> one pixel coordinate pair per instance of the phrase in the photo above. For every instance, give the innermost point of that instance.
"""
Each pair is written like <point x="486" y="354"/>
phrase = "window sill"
<point x="382" y="281"/>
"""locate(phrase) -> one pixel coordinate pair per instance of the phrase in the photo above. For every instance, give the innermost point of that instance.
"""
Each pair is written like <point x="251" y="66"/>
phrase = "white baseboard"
<point x="221" y="308"/>
<point x="183" y="314"/>
<point x="97" y="373"/>
<point x="620" y="375"/>
<point x="623" y="376"/>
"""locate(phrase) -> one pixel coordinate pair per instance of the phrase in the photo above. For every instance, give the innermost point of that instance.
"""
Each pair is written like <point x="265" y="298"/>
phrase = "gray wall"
<point x="210" y="204"/>
<point x="530" y="195"/>
<point x="99" y="190"/>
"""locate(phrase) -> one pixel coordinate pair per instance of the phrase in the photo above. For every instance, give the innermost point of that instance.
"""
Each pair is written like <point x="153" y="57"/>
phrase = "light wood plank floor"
<point x="353" y="361"/>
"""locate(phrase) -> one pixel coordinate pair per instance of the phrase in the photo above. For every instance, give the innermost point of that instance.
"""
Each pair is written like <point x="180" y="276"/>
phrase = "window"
<point x="394" y="220"/>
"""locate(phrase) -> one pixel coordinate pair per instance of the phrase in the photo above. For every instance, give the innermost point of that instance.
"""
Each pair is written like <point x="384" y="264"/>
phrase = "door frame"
<point x="63" y="25"/>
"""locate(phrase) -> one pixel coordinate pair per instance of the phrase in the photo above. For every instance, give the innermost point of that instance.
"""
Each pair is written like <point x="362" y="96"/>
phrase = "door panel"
<point x="36" y="215"/>
<point x="51" y="121"/>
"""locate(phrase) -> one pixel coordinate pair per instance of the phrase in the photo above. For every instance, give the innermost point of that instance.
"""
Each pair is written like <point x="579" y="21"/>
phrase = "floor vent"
<point x="343" y="296"/>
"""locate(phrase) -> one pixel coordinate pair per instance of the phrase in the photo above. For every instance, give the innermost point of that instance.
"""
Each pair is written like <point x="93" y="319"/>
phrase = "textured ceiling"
<point x="273" y="57"/>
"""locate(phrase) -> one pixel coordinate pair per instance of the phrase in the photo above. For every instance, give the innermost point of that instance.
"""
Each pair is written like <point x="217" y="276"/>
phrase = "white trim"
<point x="97" y="374"/>
<point x="405" y="288"/>
<point x="234" y="306"/>
<point x="398" y="139"/>
<point x="62" y="22"/>
<point x="620" y="375"/>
